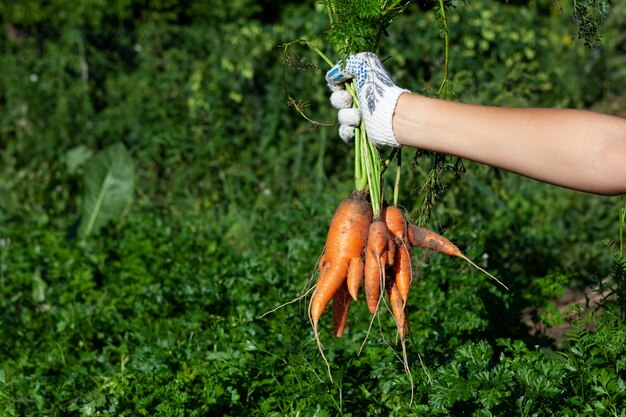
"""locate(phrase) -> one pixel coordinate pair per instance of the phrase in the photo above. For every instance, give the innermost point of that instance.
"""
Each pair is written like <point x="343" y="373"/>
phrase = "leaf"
<point x="109" y="181"/>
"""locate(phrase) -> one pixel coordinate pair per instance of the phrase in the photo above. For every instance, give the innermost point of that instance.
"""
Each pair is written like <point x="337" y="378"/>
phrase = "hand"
<point x="377" y="96"/>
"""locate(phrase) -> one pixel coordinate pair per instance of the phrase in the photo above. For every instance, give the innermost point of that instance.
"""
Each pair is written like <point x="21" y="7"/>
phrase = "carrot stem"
<point x="443" y="88"/>
<point x="372" y="164"/>
<point x="360" y="178"/>
<point x="396" y="184"/>
<point x="366" y="157"/>
<point x="360" y="168"/>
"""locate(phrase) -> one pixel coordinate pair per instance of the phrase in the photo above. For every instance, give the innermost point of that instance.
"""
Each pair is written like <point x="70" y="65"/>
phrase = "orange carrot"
<point x="347" y="236"/>
<point x="371" y="281"/>
<point x="397" y="308"/>
<point x="346" y="239"/>
<point x="427" y="239"/>
<point x="375" y="261"/>
<point x="341" y="305"/>
<point x="403" y="271"/>
<point x="374" y="269"/>
<point x="355" y="276"/>
<point x="397" y="226"/>
<point x="396" y="222"/>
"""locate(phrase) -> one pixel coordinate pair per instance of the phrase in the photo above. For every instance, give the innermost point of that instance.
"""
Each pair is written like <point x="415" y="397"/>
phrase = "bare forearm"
<point x="571" y="148"/>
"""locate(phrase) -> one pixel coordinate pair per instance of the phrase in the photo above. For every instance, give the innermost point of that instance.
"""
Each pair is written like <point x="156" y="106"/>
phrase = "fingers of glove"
<point x="346" y="133"/>
<point x="364" y="64"/>
<point x="341" y="99"/>
<point x="359" y="66"/>
<point x="349" y="117"/>
<point x="337" y="75"/>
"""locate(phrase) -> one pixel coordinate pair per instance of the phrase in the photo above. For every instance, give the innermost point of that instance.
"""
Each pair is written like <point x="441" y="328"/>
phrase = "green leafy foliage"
<point x="358" y="25"/>
<point x="589" y="16"/>
<point x="159" y="313"/>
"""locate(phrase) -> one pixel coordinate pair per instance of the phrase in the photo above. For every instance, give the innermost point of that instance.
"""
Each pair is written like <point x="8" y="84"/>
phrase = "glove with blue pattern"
<point x="377" y="95"/>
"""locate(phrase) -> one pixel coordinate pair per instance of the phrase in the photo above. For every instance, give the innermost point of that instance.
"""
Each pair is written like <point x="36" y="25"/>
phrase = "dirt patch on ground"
<point x="571" y="305"/>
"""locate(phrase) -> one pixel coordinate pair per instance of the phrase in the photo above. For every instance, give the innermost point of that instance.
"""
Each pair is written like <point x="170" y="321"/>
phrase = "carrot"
<point x="355" y="276"/>
<point x="346" y="240"/>
<point x="396" y="222"/>
<point x="427" y="239"/>
<point x="397" y="226"/>
<point x="375" y="261"/>
<point x="371" y="280"/>
<point x="403" y="271"/>
<point x="341" y="305"/>
<point x="397" y="308"/>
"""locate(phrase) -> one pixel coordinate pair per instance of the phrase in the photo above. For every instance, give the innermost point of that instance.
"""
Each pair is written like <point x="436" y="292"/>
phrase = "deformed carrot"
<point x="341" y="306"/>
<point x="403" y="271"/>
<point x="355" y="276"/>
<point x="427" y="239"/>
<point x="371" y="281"/>
<point x="375" y="261"/>
<point x="397" y="227"/>
<point x="396" y="222"/>
<point x="346" y="240"/>
<point x="398" y="308"/>
<point x="401" y="259"/>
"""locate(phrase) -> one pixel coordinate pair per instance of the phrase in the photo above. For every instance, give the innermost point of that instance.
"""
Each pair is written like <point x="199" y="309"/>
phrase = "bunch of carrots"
<point x="361" y="249"/>
<point x="375" y="252"/>
<point x="369" y="244"/>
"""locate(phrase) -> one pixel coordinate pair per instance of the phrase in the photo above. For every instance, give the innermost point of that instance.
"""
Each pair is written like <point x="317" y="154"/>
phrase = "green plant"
<point x="613" y="291"/>
<point x="109" y="181"/>
<point x="589" y="16"/>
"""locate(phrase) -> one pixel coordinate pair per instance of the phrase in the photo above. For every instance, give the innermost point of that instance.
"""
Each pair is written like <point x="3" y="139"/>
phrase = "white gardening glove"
<point x="377" y="95"/>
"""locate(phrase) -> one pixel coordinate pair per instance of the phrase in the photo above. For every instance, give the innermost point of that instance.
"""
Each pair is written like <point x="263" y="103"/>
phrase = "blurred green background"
<point x="167" y="124"/>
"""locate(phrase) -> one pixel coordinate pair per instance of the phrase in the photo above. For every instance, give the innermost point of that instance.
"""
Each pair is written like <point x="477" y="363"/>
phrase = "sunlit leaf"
<point x="109" y="181"/>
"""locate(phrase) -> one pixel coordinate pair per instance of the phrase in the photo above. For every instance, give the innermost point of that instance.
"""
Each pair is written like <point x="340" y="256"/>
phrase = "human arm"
<point x="575" y="149"/>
